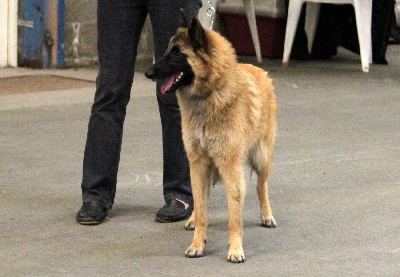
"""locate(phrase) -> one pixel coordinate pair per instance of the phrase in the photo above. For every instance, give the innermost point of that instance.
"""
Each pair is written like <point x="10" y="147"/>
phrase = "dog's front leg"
<point x="232" y="176"/>
<point x="200" y="187"/>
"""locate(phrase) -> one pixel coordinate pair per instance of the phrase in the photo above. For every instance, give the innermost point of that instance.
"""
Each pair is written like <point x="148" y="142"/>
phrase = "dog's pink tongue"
<point x="168" y="83"/>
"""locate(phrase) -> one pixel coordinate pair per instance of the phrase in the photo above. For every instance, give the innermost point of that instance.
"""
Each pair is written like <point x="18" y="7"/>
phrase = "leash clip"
<point x="210" y="13"/>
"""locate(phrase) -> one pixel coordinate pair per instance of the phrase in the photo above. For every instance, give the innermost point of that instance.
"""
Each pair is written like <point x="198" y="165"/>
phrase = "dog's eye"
<point x="176" y="51"/>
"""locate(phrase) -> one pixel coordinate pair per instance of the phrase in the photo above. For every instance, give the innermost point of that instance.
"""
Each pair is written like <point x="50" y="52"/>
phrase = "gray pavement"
<point x="335" y="187"/>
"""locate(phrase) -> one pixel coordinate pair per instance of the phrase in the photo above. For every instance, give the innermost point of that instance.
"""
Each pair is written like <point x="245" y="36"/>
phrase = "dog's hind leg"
<point x="267" y="220"/>
<point x="190" y="223"/>
<point x="199" y="173"/>
<point x="261" y="162"/>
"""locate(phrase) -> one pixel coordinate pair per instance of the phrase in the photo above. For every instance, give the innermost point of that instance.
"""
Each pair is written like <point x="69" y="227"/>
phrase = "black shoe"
<point x="173" y="211"/>
<point x="92" y="212"/>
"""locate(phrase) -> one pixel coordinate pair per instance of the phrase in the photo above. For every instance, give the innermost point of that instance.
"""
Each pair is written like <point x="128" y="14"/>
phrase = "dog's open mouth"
<point x="171" y="83"/>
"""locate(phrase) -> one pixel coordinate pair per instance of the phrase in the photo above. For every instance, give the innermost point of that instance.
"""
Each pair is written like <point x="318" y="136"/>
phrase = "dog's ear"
<point x="185" y="23"/>
<point x="197" y="35"/>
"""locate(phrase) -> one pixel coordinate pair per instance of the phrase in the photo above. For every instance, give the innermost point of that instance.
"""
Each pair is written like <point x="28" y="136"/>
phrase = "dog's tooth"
<point x="178" y="77"/>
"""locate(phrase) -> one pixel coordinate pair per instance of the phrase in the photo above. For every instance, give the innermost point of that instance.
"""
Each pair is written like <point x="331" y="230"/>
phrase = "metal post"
<point x="8" y="32"/>
<point x="12" y="46"/>
<point x="3" y="32"/>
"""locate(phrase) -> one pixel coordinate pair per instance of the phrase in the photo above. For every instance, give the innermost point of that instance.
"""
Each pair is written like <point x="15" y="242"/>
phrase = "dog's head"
<point x="178" y="65"/>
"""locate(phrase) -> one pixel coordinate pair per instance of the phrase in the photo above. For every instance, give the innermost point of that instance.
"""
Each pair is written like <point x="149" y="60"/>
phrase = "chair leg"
<point x="363" y="20"/>
<point x="312" y="15"/>
<point x="251" y="17"/>
<point x="294" y="11"/>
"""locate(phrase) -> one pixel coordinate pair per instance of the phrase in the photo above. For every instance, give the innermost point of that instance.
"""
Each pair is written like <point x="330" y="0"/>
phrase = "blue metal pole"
<point x="33" y="13"/>
<point x="60" y="33"/>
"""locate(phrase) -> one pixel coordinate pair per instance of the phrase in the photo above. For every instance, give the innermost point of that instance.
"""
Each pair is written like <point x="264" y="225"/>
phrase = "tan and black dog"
<point x="228" y="118"/>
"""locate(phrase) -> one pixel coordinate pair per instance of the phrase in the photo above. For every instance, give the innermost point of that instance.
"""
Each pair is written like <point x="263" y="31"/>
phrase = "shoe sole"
<point x="162" y="220"/>
<point x="90" y="222"/>
<point x="171" y="221"/>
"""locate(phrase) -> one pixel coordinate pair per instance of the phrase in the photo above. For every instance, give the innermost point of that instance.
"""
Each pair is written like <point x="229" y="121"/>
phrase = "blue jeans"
<point x="119" y="24"/>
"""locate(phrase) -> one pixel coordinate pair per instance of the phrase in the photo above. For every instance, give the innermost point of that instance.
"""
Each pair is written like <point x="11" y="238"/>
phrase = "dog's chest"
<point x="203" y="130"/>
<point x="201" y="137"/>
<point x="209" y="138"/>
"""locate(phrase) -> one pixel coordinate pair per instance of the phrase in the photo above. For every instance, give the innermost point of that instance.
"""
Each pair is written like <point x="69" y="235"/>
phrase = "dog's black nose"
<point x="149" y="73"/>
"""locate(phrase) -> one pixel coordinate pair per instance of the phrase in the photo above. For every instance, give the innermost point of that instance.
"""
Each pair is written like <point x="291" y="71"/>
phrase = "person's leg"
<point x="119" y="27"/>
<point x="165" y="19"/>
<point x="382" y="16"/>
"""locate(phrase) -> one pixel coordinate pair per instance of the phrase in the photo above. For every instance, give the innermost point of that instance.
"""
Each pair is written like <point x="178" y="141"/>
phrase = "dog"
<point x="228" y="115"/>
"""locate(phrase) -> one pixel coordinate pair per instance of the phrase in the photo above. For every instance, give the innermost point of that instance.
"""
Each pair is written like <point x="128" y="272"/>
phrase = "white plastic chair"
<point x="251" y="17"/>
<point x="267" y="8"/>
<point x="248" y="6"/>
<point x="363" y="11"/>
<point x="397" y="12"/>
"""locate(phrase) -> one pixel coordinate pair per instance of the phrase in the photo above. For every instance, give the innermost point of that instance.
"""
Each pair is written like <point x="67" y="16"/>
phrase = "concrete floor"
<point x="335" y="187"/>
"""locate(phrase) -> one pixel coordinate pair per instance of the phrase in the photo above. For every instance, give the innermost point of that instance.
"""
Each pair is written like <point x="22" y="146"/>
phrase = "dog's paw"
<point x="236" y="256"/>
<point x="189" y="225"/>
<point x="194" y="252"/>
<point x="268" y="222"/>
